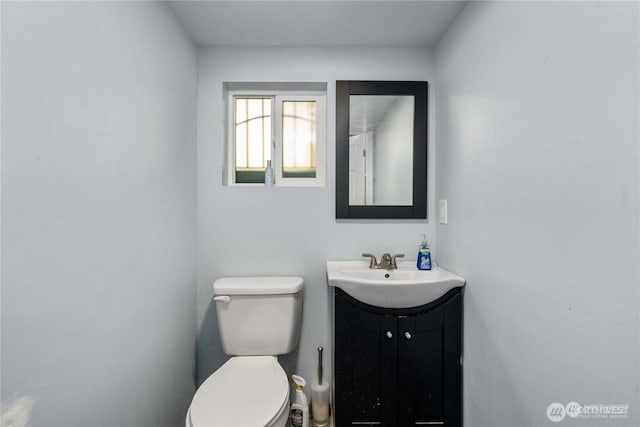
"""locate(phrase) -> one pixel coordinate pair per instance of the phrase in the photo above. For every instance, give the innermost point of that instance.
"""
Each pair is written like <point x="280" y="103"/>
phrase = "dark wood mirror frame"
<point x="345" y="88"/>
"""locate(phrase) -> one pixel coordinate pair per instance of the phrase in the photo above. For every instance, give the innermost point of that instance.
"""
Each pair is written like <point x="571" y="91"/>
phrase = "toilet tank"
<point x="258" y="316"/>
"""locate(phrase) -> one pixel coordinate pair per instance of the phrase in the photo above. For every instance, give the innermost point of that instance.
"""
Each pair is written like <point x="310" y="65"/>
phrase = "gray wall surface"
<point x="98" y="213"/>
<point x="258" y="230"/>
<point x="537" y="154"/>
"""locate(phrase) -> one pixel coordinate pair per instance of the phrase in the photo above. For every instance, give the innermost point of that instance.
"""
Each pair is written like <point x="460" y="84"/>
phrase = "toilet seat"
<point x="247" y="391"/>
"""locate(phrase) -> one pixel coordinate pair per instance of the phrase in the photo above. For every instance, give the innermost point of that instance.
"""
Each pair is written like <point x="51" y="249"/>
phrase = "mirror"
<point x="381" y="149"/>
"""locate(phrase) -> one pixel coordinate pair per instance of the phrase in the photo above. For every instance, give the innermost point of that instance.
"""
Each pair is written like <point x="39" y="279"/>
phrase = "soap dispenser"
<point x="424" y="255"/>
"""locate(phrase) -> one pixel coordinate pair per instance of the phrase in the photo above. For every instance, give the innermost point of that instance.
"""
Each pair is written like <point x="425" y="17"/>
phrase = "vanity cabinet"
<point x="398" y="367"/>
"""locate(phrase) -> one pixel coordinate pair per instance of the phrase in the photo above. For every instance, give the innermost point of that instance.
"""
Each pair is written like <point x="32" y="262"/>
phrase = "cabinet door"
<point x="365" y="345"/>
<point x="420" y="369"/>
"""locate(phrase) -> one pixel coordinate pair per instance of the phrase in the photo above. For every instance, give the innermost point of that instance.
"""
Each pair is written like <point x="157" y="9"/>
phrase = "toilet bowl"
<point x="247" y="391"/>
<point x="258" y="319"/>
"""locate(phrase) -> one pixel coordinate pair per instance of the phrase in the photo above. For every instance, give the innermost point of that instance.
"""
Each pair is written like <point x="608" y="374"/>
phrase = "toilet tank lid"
<point x="258" y="285"/>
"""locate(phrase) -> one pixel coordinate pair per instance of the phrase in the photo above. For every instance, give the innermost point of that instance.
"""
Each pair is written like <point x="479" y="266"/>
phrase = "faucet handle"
<point x="394" y="264"/>
<point x="372" y="260"/>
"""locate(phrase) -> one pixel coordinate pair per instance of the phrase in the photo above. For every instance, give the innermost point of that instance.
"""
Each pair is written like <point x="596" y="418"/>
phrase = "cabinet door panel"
<point x="452" y="343"/>
<point x="365" y="366"/>
<point x="420" y="365"/>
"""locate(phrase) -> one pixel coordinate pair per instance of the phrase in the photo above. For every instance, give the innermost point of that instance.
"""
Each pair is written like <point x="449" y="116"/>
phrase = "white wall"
<point x="98" y="210"/>
<point x="393" y="157"/>
<point x="537" y="153"/>
<point x="257" y="230"/>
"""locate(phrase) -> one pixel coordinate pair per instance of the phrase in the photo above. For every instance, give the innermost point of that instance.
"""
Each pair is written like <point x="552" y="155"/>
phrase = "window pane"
<point x="255" y="143"/>
<point x="255" y="108"/>
<point x="241" y="110"/>
<point x="266" y="141"/>
<point x="252" y="138"/>
<point x="299" y="139"/>
<point x="241" y="145"/>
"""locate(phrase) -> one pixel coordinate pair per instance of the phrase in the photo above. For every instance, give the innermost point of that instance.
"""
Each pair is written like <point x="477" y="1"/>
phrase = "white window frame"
<point x="278" y="97"/>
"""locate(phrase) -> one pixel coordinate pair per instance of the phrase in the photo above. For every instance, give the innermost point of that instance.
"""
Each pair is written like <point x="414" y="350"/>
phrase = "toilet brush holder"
<point x="320" y="403"/>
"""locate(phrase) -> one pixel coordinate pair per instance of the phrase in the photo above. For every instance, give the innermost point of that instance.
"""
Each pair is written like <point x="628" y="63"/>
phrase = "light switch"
<point x="443" y="211"/>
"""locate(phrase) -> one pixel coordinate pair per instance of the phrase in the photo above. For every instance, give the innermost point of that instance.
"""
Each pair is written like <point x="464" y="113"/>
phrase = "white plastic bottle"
<point x="268" y="175"/>
<point x="300" y="407"/>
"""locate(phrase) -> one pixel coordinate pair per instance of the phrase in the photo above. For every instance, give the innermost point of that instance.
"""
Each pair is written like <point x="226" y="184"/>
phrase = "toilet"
<point x="258" y="319"/>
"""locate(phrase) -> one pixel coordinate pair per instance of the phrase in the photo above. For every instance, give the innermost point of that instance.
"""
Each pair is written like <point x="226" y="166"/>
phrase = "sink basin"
<point x="401" y="288"/>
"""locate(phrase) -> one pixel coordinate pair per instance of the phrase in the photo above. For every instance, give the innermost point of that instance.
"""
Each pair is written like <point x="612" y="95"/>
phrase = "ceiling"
<point x="316" y="23"/>
<point x="366" y="112"/>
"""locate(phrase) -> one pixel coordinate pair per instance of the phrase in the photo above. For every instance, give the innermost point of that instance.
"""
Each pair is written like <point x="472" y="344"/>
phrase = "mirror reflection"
<point x="381" y="150"/>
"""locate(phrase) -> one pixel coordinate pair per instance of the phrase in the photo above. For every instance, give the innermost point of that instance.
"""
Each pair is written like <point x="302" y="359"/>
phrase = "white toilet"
<point x="258" y="319"/>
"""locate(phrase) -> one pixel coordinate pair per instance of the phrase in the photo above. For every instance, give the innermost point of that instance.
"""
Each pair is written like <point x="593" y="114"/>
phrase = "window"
<point x="286" y="127"/>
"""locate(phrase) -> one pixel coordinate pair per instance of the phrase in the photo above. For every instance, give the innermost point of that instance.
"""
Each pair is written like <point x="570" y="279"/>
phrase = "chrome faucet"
<point x="387" y="261"/>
